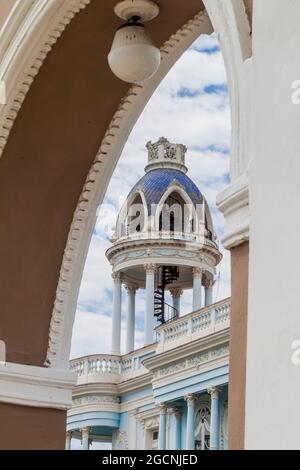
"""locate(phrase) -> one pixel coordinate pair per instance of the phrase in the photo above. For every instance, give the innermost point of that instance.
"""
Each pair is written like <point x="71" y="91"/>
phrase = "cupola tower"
<point x="164" y="241"/>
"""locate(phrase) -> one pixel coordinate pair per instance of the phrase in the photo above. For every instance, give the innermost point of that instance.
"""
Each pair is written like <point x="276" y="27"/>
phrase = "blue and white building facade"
<point x="171" y="394"/>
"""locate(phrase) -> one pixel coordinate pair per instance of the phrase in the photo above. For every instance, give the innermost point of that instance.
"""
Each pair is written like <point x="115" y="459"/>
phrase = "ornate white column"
<point x="197" y="285"/>
<point x="208" y="285"/>
<point x="149" y="314"/>
<point x="116" y="314"/>
<point x="214" y="418"/>
<point x="85" y="435"/>
<point x="68" y="440"/>
<point x="130" y="323"/>
<point x="176" y="294"/>
<point x="190" y="423"/>
<point x="162" y="434"/>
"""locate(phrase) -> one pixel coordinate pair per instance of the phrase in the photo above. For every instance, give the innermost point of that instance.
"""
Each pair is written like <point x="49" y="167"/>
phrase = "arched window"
<point x="174" y="216"/>
<point x="202" y="429"/>
<point x="135" y="220"/>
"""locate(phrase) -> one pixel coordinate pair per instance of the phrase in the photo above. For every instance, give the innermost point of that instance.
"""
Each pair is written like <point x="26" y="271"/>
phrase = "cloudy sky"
<point x="191" y="106"/>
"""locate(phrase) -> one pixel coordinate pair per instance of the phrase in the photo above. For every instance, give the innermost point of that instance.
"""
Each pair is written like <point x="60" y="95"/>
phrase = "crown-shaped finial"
<point x="164" y="154"/>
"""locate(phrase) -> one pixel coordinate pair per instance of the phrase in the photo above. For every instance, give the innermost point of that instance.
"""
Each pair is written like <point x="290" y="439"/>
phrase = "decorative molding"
<point x="96" y="399"/>
<point x="231" y="23"/>
<point x="164" y="154"/>
<point x="234" y="204"/>
<point x="196" y="361"/>
<point x="121" y="442"/>
<point x="36" y="386"/>
<point x="151" y="422"/>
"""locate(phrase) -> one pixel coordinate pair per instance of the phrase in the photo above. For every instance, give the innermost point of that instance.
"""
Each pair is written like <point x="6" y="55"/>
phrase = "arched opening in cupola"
<point x="175" y="215"/>
<point x="136" y="216"/>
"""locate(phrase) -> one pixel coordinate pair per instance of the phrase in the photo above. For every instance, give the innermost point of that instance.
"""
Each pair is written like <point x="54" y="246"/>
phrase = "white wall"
<point x="273" y="383"/>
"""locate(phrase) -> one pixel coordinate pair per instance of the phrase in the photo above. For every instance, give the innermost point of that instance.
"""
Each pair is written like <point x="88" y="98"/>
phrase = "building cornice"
<point x="113" y="389"/>
<point x="189" y="371"/>
<point x="96" y="388"/>
<point x="36" y="386"/>
<point x="186" y="350"/>
<point x="136" y="383"/>
<point x="234" y="204"/>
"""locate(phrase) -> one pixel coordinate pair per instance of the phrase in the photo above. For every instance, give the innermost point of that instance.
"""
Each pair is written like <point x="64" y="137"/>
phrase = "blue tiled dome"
<point x="155" y="183"/>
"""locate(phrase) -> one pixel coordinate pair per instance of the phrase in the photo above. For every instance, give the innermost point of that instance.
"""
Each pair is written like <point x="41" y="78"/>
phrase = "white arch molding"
<point x="176" y="188"/>
<point x="125" y="209"/>
<point x="32" y="29"/>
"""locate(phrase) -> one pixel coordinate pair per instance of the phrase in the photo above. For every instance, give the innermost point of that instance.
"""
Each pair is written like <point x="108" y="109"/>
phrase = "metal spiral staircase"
<point x="163" y="311"/>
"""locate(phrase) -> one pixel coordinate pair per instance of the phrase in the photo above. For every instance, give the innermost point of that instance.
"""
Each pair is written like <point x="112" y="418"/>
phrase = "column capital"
<point x="208" y="282"/>
<point x="197" y="273"/>
<point x="176" y="292"/>
<point x="131" y="288"/>
<point x="162" y="408"/>
<point x="176" y="411"/>
<point x="150" y="268"/>
<point x="85" y="431"/>
<point x="214" y="392"/>
<point x="116" y="276"/>
<point x="190" y="399"/>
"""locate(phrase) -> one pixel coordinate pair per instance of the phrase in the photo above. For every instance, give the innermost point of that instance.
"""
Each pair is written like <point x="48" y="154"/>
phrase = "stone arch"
<point x="35" y="27"/>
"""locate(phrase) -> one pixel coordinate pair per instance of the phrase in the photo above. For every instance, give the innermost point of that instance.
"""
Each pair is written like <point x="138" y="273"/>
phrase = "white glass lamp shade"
<point x="133" y="57"/>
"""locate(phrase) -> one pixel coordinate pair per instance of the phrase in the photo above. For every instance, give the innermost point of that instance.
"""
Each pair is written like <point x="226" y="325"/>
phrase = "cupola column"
<point x="149" y="314"/>
<point x="85" y="436"/>
<point x="130" y="324"/>
<point x="176" y="294"/>
<point x="116" y="315"/>
<point x="208" y="285"/>
<point x="197" y="286"/>
<point x="68" y="440"/>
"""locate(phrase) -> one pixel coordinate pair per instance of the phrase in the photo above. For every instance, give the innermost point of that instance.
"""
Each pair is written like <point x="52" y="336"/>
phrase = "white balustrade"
<point x="115" y="369"/>
<point x="201" y="321"/>
<point x="194" y="325"/>
<point x="107" y="368"/>
<point x="223" y="313"/>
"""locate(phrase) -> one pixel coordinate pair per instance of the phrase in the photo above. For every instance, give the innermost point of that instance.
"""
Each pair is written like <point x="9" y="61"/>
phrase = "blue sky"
<point x="191" y="106"/>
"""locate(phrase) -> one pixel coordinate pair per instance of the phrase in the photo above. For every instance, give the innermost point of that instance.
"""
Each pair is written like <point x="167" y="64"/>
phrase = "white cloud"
<point x="202" y="123"/>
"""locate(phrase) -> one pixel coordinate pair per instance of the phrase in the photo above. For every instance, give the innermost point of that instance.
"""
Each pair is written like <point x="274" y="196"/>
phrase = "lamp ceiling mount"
<point x="146" y="10"/>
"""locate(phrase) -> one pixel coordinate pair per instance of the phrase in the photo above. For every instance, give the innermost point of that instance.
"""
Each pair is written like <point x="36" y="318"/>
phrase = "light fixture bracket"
<point x="147" y="10"/>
